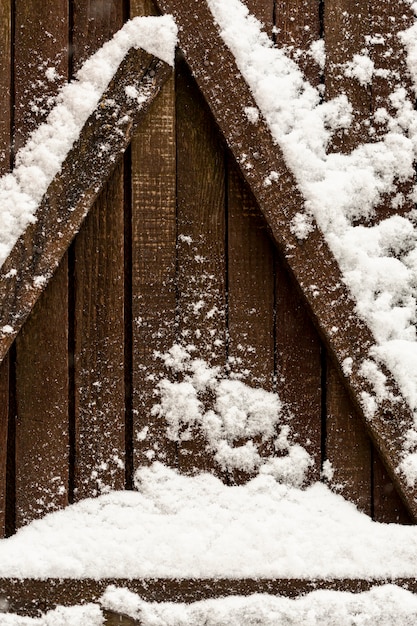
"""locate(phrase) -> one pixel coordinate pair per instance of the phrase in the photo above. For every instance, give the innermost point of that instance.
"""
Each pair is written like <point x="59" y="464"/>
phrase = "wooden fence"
<point x="175" y="233"/>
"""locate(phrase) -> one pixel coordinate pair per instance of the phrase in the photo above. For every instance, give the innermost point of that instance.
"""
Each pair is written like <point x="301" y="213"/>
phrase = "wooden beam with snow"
<point x="310" y="261"/>
<point x="103" y="140"/>
<point x="29" y="596"/>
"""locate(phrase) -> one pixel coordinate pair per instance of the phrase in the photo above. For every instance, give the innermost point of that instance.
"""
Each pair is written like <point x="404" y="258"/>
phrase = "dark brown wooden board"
<point x="387" y="506"/>
<point x="41" y="44"/>
<point x="201" y="241"/>
<point x="42" y="405"/>
<point x="298" y="25"/>
<point x="348" y="447"/>
<point x="299" y="367"/>
<point x="98" y="275"/>
<point x="153" y="286"/>
<point x="310" y="260"/>
<point x="29" y="597"/>
<point x="346" y="23"/>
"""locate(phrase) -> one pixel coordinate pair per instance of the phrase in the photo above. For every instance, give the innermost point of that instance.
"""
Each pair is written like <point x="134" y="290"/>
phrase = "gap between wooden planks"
<point x="311" y="262"/>
<point x="74" y="189"/>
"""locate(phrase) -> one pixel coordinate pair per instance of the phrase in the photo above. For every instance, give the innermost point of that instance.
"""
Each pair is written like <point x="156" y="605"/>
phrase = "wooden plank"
<point x="42" y="410"/>
<point x="40" y="51"/>
<point x="387" y="506"/>
<point x="250" y="286"/>
<point x="346" y="23"/>
<point x="153" y="276"/>
<point x="311" y="261"/>
<point x="27" y="597"/>
<point x="69" y="198"/>
<point x="348" y="447"/>
<point x="97" y="260"/>
<point x="5" y="83"/>
<point x="264" y="11"/>
<point x="201" y="220"/>
<point x="297" y="26"/>
<point x="299" y="366"/>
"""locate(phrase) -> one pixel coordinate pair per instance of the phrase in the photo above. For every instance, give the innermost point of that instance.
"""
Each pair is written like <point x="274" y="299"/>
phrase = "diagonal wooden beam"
<point x="310" y="261"/>
<point x="37" y="253"/>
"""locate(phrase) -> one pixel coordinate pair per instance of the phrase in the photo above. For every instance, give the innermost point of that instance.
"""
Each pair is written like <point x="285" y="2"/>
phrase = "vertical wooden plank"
<point x="5" y="137"/>
<point x="250" y="286"/>
<point x="348" y="447"/>
<point x="40" y="67"/>
<point x="387" y="504"/>
<point x="297" y="26"/>
<point x="299" y="372"/>
<point x="201" y="239"/>
<point x="346" y="24"/>
<point x="153" y="266"/>
<point x="97" y="260"/>
<point x="41" y="400"/>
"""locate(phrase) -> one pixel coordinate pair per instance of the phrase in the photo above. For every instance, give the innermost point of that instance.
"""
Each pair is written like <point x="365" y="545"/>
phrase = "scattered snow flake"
<point x="327" y="471"/>
<point x="301" y="225"/>
<point x="11" y="274"/>
<point x="361" y="67"/>
<point x="7" y="329"/>
<point x="347" y="366"/>
<point x="252" y="113"/>
<point x="40" y="281"/>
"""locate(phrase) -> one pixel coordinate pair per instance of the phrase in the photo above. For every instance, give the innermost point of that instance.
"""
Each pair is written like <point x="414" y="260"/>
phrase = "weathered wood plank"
<point x="28" y="597"/>
<point x="98" y="278"/>
<point x="153" y="286"/>
<point x="348" y="447"/>
<point x="250" y="286"/>
<point x="387" y="506"/>
<point x="40" y="56"/>
<point x="299" y="366"/>
<point x="42" y="405"/>
<point x="311" y="261"/>
<point x="298" y="25"/>
<point x="346" y="23"/>
<point x="69" y="198"/>
<point x="201" y="219"/>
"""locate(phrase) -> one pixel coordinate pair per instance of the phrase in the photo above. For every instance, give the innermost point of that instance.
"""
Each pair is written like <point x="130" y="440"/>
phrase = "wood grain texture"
<point x="28" y="597"/>
<point x="68" y="199"/>
<point x="311" y="262"/>
<point x="299" y="367"/>
<point x="98" y="275"/>
<point x="5" y="83"/>
<point x="346" y="24"/>
<point x="153" y="227"/>
<point x="40" y="44"/>
<point x="297" y="24"/>
<point x="42" y="406"/>
<point x="348" y="447"/>
<point x="201" y="220"/>
<point x="250" y="286"/>
<point x="387" y="506"/>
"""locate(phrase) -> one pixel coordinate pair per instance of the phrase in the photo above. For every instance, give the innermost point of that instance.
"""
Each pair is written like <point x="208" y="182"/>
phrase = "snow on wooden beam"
<point x="310" y="261"/>
<point x="29" y="596"/>
<point x="103" y="140"/>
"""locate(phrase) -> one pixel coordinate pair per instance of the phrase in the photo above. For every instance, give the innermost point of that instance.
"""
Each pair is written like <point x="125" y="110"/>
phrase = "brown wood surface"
<point x="201" y="240"/>
<point x="298" y="25"/>
<point x="68" y="199"/>
<point x="28" y="597"/>
<point x="98" y="275"/>
<point x="348" y="447"/>
<point x="42" y="406"/>
<point x="311" y="261"/>
<point x="346" y="23"/>
<point x="387" y="506"/>
<point x="153" y="297"/>
<point x="299" y="367"/>
<point x="264" y="11"/>
<point x="40" y="44"/>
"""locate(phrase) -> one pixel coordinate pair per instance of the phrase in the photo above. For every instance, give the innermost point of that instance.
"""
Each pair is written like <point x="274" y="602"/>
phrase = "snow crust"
<point x="198" y="527"/>
<point x="41" y="158"/>
<point x="379" y="260"/>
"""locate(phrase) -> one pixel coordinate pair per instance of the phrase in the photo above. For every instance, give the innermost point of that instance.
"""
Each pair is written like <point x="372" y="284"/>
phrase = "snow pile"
<point x="381" y="606"/>
<point x="86" y="615"/>
<point x="378" y="261"/>
<point x="41" y="158"/>
<point x="197" y="527"/>
<point x="236" y="420"/>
